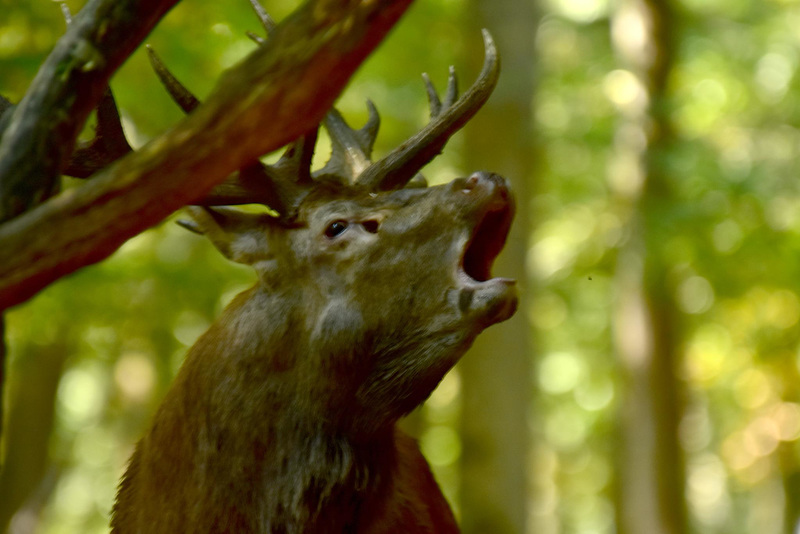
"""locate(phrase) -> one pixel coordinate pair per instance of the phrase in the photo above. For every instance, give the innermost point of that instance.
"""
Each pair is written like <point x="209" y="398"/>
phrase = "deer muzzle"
<point x="491" y="210"/>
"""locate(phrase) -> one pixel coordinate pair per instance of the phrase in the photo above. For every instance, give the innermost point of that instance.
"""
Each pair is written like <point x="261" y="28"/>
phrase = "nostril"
<point x="470" y="184"/>
<point x="371" y="226"/>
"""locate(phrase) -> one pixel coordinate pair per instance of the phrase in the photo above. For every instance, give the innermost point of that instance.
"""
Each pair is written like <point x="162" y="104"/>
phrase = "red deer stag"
<point x="283" y="416"/>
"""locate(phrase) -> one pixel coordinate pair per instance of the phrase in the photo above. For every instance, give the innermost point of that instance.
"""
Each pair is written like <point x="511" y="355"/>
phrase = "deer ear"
<point x="239" y="236"/>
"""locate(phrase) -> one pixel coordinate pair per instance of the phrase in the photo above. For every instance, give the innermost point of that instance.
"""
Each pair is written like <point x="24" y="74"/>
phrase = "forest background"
<point x="650" y="382"/>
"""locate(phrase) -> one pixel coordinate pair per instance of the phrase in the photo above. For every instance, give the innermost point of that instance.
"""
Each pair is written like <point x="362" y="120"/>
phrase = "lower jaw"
<point x="490" y="302"/>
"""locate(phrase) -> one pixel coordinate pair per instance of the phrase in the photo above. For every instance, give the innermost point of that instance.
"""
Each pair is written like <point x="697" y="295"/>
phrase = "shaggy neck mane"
<point x="241" y="440"/>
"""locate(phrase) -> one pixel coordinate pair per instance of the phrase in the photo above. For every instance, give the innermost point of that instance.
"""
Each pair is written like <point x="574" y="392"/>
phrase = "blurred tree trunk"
<point x="31" y="409"/>
<point x="790" y="474"/>
<point x="2" y="384"/>
<point x="651" y="464"/>
<point x="496" y="374"/>
<point x="788" y="453"/>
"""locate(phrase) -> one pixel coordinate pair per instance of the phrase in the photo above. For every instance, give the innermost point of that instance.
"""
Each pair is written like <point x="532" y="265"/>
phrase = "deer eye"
<point x="371" y="226"/>
<point x="335" y="228"/>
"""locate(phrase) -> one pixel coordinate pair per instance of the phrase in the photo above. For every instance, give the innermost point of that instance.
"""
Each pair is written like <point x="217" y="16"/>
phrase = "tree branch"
<point x="6" y="109"/>
<point x="41" y="131"/>
<point x="278" y="93"/>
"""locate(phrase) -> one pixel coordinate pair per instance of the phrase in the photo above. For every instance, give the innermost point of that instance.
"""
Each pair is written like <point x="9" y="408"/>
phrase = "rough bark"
<point x="647" y="322"/>
<point x="496" y="388"/>
<point x="279" y="92"/>
<point x="42" y="129"/>
<point x="6" y="110"/>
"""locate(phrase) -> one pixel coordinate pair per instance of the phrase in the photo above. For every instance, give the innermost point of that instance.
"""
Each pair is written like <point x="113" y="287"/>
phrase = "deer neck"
<point x="235" y="424"/>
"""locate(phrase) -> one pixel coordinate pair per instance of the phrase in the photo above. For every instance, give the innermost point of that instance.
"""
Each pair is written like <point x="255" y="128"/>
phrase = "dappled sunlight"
<point x="135" y="376"/>
<point x="695" y="295"/>
<point x="81" y="396"/>
<point x="560" y="372"/>
<point x="595" y="394"/>
<point x="566" y="428"/>
<point x="729" y="238"/>
<point x="581" y="11"/>
<point x="707" y="490"/>
<point x="774" y="71"/>
<point x="441" y="445"/>
<point x="625" y="90"/>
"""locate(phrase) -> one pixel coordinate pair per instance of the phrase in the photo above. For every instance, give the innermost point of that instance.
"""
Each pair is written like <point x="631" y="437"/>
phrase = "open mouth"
<point x="487" y="240"/>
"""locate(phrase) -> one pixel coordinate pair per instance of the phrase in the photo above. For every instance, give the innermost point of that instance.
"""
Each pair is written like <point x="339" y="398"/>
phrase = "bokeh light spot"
<point x="695" y="295"/>
<point x="135" y="376"/>
<point x="560" y="372"/>
<point x="80" y="395"/>
<point x="441" y="445"/>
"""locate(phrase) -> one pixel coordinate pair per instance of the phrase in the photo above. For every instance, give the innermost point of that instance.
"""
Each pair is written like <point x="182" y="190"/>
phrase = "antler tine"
<point x="66" y="12"/>
<point x="294" y="166"/>
<point x="179" y="93"/>
<point x="108" y="145"/>
<point x="266" y="21"/>
<point x="109" y="142"/>
<point x="397" y="168"/>
<point x="255" y="38"/>
<point x="451" y="93"/>
<point x="352" y="148"/>
<point x="434" y="102"/>
<point x="257" y="184"/>
<point x="280" y="186"/>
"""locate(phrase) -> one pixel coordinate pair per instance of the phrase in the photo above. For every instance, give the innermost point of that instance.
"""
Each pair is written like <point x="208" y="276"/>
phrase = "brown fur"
<point x="282" y="418"/>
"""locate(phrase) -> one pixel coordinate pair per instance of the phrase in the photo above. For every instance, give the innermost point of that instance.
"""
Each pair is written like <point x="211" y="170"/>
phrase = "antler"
<point x="280" y="186"/>
<point x="396" y="169"/>
<point x="350" y="160"/>
<point x="283" y="185"/>
<point x="266" y="21"/>
<point x="109" y="142"/>
<point x="352" y="149"/>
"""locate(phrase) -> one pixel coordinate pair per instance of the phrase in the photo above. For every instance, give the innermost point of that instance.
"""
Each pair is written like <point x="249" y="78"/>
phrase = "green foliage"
<point x="727" y="234"/>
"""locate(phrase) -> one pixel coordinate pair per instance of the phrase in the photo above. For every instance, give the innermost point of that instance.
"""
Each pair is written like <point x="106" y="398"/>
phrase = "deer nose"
<point x="489" y="182"/>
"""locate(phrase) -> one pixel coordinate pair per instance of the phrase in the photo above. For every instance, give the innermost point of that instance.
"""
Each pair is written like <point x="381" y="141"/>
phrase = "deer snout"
<point x="485" y="183"/>
<point x="487" y="191"/>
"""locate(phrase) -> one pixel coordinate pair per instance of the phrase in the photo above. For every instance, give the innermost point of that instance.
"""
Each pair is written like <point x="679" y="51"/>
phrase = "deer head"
<point x="389" y="288"/>
<point x="391" y="282"/>
<point x="370" y="287"/>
